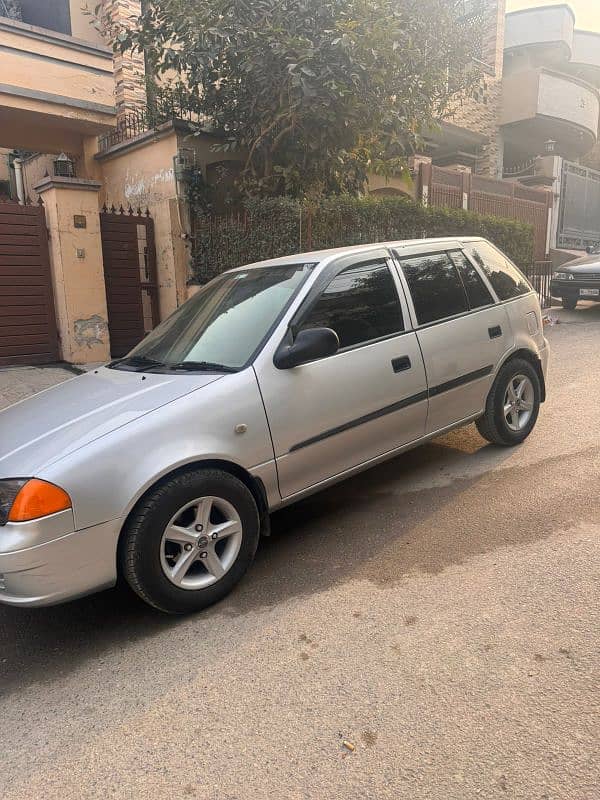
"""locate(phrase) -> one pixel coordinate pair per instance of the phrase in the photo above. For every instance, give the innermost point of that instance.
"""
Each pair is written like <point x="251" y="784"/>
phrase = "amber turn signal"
<point x="38" y="499"/>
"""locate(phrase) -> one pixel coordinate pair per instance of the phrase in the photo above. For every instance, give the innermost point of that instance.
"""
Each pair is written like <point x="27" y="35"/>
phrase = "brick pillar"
<point x="480" y="112"/>
<point x="129" y="68"/>
<point x="73" y="219"/>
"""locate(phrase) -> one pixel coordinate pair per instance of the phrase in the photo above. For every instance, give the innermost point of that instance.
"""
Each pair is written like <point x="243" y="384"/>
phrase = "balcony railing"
<point x="168" y="106"/>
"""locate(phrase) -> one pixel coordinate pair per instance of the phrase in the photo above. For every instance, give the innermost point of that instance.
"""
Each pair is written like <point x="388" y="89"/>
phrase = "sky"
<point x="587" y="12"/>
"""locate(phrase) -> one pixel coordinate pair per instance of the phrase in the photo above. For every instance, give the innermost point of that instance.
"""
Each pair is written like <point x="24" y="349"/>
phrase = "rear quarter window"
<point x="507" y="281"/>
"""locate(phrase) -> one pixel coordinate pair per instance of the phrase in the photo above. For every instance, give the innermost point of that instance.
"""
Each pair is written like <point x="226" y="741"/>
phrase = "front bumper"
<point x="45" y="562"/>
<point x="571" y="290"/>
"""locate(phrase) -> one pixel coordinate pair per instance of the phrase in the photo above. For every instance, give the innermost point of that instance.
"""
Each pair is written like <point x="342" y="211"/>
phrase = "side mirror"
<point x="309" y="345"/>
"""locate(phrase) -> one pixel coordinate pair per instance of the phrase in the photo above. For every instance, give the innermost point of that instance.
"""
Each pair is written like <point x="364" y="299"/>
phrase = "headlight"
<point x="8" y="491"/>
<point x="561" y="276"/>
<point x="23" y="499"/>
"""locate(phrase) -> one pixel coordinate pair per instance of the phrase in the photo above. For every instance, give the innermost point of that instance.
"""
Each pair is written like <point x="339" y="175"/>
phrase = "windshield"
<point x="221" y="326"/>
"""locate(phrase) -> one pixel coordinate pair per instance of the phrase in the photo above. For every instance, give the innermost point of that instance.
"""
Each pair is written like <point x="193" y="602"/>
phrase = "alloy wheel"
<point x="519" y="401"/>
<point x="201" y="543"/>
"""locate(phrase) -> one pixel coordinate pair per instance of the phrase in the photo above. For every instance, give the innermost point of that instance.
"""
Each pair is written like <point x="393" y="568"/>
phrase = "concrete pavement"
<point x="17" y="383"/>
<point x="439" y="612"/>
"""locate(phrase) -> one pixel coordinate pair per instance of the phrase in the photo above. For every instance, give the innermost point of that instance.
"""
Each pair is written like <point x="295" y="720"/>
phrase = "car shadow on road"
<point x="369" y="527"/>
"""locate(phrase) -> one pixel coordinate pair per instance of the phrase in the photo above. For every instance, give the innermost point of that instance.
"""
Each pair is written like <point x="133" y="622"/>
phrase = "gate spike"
<point x="121" y="209"/>
<point x="104" y="208"/>
<point x="113" y="210"/>
<point x="147" y="211"/>
<point x="139" y="211"/>
<point x="130" y="212"/>
<point x="40" y="202"/>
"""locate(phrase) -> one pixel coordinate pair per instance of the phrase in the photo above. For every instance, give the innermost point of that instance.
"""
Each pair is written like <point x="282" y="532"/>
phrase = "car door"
<point x="462" y="331"/>
<point x="336" y="413"/>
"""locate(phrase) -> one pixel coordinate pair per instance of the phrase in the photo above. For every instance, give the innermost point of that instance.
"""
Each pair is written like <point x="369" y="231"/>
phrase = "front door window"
<point x="360" y="304"/>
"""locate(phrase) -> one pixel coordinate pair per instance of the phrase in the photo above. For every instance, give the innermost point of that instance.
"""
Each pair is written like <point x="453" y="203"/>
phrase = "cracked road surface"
<point x="440" y="613"/>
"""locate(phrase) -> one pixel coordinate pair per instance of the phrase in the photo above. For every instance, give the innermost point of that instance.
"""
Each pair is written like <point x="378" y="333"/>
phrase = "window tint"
<point x="505" y="277"/>
<point x="360" y="304"/>
<point x="477" y="292"/>
<point x="435" y="286"/>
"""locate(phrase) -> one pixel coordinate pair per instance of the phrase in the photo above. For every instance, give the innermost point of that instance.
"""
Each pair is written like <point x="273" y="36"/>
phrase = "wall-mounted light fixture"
<point x="64" y="167"/>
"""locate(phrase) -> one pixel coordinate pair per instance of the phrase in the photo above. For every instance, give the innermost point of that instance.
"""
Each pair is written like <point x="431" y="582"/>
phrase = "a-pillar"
<point x="73" y="219"/>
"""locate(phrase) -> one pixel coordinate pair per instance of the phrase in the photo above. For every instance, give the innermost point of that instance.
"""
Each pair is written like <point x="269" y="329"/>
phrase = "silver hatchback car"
<point x="274" y="381"/>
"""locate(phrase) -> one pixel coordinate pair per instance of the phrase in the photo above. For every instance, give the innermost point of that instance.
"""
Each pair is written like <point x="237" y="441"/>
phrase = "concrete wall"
<point x="82" y="24"/>
<point x="381" y="186"/>
<point x="586" y="51"/>
<point x="35" y="168"/>
<point x="568" y="99"/>
<point x="548" y="25"/>
<point x="520" y="97"/>
<point x="77" y="269"/>
<point x="52" y="86"/>
<point x="143" y="175"/>
<point x="4" y="171"/>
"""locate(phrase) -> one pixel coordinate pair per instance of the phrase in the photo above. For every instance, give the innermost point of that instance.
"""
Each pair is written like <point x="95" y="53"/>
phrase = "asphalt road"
<point x="440" y="613"/>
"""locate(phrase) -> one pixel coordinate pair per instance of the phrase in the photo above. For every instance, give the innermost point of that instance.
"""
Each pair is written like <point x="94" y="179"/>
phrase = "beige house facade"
<point x="75" y="134"/>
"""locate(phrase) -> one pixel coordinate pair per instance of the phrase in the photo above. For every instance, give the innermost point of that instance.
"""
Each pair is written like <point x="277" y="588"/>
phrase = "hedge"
<point x="279" y="226"/>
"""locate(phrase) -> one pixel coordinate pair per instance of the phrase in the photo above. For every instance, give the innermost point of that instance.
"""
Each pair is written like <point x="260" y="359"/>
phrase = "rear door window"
<point x="478" y="294"/>
<point x="505" y="278"/>
<point x="435" y="286"/>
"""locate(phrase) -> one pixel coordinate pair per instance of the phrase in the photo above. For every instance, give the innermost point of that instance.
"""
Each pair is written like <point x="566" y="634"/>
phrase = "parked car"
<point x="578" y="279"/>
<point x="274" y="381"/>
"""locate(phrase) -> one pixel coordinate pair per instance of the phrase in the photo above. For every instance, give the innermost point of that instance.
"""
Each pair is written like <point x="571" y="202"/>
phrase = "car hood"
<point x="48" y="426"/>
<point x="582" y="265"/>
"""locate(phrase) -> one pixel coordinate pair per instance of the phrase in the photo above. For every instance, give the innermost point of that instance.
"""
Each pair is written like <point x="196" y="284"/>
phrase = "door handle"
<point x="401" y="363"/>
<point x="495" y="332"/>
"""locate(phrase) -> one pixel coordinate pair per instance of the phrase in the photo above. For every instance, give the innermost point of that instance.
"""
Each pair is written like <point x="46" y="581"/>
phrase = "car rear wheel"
<point x="190" y="541"/>
<point x="569" y="303"/>
<point x="513" y="404"/>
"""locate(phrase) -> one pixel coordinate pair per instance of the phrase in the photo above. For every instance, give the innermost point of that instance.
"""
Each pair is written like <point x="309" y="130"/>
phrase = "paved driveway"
<point x="440" y="613"/>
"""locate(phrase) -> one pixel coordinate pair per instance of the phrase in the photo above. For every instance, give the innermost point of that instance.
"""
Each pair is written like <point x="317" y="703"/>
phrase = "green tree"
<point x="314" y="93"/>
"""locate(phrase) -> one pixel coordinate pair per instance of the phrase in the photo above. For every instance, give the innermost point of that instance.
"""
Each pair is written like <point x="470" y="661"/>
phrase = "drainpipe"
<point x="18" y="165"/>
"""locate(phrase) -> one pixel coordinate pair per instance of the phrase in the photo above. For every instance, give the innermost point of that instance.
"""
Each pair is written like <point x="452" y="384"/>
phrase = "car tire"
<point x="511" y="428"/>
<point x="149" y="558"/>
<point x="570" y="303"/>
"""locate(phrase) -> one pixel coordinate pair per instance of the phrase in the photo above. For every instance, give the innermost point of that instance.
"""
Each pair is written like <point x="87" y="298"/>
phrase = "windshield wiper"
<point x="201" y="366"/>
<point x="142" y="362"/>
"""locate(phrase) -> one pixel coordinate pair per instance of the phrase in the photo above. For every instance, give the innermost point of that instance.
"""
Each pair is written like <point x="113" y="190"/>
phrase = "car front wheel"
<point x="190" y="541"/>
<point x="513" y="404"/>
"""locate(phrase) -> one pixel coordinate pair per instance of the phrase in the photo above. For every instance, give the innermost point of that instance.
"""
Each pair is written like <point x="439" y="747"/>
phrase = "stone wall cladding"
<point x="481" y="112"/>
<point x="129" y="68"/>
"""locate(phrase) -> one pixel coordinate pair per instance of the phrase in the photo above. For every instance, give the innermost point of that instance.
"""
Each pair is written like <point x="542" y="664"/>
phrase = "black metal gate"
<point x="130" y="275"/>
<point x="579" y="220"/>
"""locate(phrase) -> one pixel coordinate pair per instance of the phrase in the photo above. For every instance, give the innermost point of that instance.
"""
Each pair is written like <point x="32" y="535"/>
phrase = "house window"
<point x="55" y="15"/>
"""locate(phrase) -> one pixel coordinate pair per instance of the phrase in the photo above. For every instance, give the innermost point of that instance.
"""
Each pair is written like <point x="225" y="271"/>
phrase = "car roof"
<point x="316" y="256"/>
